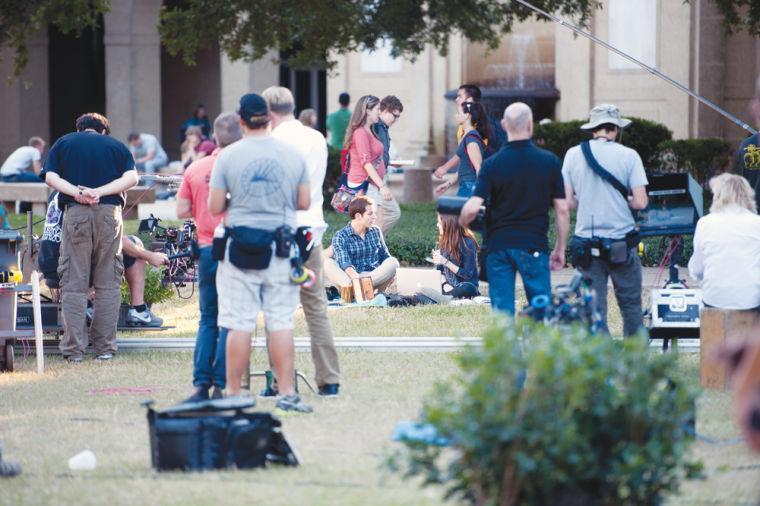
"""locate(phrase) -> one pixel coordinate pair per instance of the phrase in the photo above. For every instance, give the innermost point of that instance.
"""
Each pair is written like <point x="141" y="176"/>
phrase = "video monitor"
<point x="675" y="205"/>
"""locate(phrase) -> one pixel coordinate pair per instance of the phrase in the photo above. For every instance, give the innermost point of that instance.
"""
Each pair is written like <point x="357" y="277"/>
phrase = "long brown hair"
<point x="359" y="117"/>
<point x="452" y="237"/>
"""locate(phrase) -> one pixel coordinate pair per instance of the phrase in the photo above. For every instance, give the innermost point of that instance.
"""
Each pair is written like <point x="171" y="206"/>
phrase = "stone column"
<point x="239" y="78"/>
<point x="133" y="68"/>
<point x="25" y="99"/>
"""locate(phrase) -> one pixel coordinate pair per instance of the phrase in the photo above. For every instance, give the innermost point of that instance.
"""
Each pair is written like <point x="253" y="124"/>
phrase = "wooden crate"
<point x="719" y="326"/>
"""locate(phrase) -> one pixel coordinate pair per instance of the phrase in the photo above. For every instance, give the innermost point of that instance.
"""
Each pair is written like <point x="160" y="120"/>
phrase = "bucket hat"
<point x="605" y="113"/>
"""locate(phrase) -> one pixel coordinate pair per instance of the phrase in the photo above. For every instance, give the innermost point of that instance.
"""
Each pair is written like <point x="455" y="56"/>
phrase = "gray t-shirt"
<point x="262" y="175"/>
<point x="149" y="143"/>
<point x="20" y="161"/>
<point x="601" y="208"/>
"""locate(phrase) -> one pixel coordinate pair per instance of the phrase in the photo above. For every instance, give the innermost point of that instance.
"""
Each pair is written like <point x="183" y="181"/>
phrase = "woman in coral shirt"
<point x="365" y="151"/>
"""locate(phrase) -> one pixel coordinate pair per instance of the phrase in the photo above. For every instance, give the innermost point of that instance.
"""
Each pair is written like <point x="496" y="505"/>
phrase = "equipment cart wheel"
<point x="8" y="366"/>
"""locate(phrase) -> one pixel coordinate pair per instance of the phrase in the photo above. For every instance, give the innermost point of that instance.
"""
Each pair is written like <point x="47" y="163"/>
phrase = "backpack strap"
<point x="602" y="172"/>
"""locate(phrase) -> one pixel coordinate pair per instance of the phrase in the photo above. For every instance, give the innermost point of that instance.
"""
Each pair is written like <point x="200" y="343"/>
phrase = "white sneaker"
<point x="144" y="319"/>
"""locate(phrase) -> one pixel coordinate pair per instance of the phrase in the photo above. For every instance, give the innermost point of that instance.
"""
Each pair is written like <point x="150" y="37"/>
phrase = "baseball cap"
<point x="252" y="105"/>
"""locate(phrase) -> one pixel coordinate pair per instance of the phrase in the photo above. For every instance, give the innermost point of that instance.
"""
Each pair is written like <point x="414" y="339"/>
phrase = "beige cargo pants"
<point x="90" y="256"/>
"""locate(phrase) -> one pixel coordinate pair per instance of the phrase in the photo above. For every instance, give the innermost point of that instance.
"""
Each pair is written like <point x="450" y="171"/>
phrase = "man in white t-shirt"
<point x="147" y="151"/>
<point x="24" y="164"/>
<point x="311" y="145"/>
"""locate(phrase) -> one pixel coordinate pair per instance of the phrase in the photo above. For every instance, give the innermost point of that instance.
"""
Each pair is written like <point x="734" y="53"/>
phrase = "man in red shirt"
<point x="192" y="201"/>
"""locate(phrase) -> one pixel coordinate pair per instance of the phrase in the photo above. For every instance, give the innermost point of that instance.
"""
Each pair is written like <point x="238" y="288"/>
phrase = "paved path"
<point x="649" y="274"/>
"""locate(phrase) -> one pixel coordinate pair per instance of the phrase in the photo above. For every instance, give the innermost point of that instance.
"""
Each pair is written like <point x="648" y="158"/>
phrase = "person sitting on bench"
<point x="24" y="164"/>
<point x="136" y="258"/>
<point x="359" y="250"/>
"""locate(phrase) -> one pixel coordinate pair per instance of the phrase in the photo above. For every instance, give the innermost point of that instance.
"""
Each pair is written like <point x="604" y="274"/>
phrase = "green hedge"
<point x="410" y="241"/>
<point x="332" y="175"/>
<point x="702" y="158"/>
<point x="642" y="135"/>
<point x="416" y="234"/>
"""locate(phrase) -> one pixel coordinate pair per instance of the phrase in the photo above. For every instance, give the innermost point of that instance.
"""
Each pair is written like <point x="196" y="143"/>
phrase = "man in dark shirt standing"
<point x="749" y="150"/>
<point x="91" y="171"/>
<point x="521" y="183"/>
<point x="390" y="111"/>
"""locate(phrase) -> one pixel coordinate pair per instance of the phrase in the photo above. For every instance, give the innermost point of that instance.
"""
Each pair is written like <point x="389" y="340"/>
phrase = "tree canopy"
<point x="311" y="31"/>
<point x="21" y="18"/>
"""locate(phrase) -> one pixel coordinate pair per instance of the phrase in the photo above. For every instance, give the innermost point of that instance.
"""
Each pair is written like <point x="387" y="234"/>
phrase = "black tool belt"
<point x="250" y="248"/>
<point x="614" y="251"/>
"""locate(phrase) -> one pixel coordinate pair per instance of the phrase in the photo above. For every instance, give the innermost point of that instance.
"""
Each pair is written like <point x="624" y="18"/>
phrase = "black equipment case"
<point x="216" y="434"/>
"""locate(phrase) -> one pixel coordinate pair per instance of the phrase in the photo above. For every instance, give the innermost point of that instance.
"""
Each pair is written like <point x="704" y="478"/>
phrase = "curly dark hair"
<point x="94" y="121"/>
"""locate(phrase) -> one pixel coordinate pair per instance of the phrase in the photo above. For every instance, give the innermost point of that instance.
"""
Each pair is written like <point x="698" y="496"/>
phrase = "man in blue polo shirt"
<point x="91" y="171"/>
<point x="520" y="183"/>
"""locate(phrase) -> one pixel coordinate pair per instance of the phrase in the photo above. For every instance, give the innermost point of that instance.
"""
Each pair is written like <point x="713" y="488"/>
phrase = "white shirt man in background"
<point x="25" y="163"/>
<point x="147" y="151"/>
<point x="313" y="147"/>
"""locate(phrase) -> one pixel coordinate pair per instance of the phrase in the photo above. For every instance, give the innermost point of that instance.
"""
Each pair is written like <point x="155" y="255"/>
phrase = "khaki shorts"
<point x="243" y="293"/>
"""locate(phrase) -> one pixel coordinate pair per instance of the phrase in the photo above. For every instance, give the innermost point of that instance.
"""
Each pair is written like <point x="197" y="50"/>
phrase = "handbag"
<point x="344" y="194"/>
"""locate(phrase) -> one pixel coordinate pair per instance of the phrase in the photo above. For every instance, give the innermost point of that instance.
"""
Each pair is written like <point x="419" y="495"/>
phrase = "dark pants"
<point x="626" y="280"/>
<point x="211" y="341"/>
<point x="465" y="290"/>
<point x="503" y="266"/>
<point x="24" y="177"/>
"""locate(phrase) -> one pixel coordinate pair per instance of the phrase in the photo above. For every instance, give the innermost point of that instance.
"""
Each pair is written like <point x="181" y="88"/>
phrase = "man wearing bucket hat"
<point x="605" y="181"/>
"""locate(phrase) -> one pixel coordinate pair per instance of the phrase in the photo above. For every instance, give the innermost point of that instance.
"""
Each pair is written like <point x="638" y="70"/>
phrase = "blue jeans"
<point x="24" y="177"/>
<point x="211" y="341"/>
<point x="466" y="188"/>
<point x="152" y="165"/>
<point x="503" y="265"/>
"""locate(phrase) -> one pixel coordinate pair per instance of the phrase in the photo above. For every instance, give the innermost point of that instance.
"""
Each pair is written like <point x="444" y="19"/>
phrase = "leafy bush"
<point x="642" y="135"/>
<point x="410" y="241"/>
<point x="702" y="158"/>
<point x="155" y="292"/>
<point x="593" y="421"/>
<point x="332" y="175"/>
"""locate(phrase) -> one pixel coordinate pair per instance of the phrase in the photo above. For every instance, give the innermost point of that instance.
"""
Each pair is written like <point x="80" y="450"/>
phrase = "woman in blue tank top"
<point x="473" y="119"/>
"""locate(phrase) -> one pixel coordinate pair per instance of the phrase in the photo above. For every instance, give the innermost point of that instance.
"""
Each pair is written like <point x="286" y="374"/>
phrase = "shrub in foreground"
<point x="594" y="421"/>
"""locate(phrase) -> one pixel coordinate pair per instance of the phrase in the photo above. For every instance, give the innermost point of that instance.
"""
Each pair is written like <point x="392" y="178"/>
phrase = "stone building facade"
<point x="121" y="69"/>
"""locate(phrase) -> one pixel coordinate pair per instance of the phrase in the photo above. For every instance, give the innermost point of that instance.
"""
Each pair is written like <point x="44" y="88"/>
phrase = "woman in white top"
<point x="726" y="256"/>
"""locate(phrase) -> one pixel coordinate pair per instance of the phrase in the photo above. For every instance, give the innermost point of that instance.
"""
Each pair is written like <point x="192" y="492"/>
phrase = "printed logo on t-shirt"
<point x="261" y="178"/>
<point x="751" y="157"/>
<point x="52" y="231"/>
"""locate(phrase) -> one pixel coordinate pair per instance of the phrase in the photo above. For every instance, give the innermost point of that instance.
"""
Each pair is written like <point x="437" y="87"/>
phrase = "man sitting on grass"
<point x="359" y="250"/>
<point x="136" y="258"/>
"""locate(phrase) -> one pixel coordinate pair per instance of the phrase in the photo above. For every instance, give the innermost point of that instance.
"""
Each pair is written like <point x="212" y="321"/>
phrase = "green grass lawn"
<point x="46" y="419"/>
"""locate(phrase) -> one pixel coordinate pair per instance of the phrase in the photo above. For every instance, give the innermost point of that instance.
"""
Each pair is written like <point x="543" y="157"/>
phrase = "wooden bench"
<point x="36" y="193"/>
<point x="135" y="196"/>
<point x="717" y="327"/>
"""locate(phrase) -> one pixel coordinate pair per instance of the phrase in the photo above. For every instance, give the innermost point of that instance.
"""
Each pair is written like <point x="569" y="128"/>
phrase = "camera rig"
<point x="180" y="246"/>
<point x="572" y="303"/>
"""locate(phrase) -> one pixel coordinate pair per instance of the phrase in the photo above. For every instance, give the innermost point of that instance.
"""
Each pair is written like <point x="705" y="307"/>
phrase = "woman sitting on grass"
<point x="456" y="257"/>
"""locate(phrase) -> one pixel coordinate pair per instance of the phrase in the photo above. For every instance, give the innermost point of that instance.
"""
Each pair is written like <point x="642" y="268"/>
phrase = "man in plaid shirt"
<point x="360" y="250"/>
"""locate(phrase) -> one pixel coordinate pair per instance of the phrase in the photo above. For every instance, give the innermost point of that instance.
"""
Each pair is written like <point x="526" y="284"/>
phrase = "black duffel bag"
<point x="216" y="434"/>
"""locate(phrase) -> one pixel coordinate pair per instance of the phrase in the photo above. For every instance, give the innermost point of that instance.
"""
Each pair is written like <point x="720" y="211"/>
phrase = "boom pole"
<point x="641" y="64"/>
